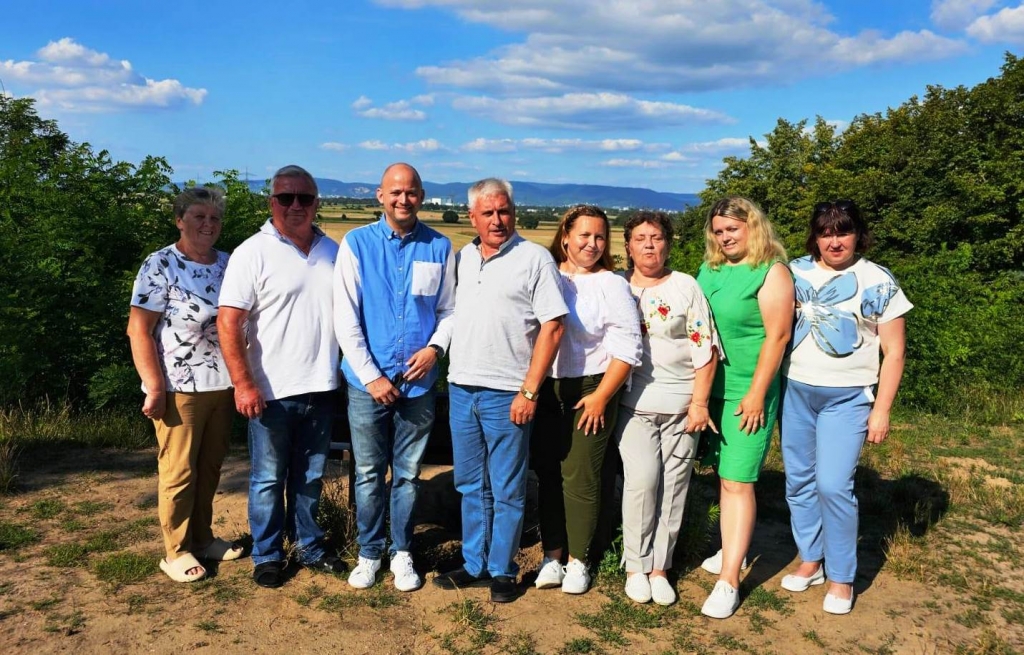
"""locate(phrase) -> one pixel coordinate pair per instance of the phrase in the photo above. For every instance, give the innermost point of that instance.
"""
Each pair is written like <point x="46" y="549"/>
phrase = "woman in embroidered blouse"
<point x="847" y="309"/>
<point x="664" y="409"/>
<point x="750" y="291"/>
<point x="173" y="330"/>
<point x="578" y="402"/>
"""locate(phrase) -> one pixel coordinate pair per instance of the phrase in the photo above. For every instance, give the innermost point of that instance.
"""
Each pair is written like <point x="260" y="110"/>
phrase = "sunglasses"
<point x="286" y="199"/>
<point x="843" y="206"/>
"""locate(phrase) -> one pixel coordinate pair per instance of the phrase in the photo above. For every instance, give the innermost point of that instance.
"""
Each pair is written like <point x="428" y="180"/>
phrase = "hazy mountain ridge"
<point x="527" y="193"/>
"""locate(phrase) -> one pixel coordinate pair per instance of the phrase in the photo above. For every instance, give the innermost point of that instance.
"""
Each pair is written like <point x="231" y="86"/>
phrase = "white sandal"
<point x="220" y="551"/>
<point x="178" y="570"/>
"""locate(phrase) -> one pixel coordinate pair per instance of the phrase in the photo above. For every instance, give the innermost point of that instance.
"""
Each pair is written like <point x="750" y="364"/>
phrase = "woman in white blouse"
<point x="173" y="332"/>
<point x="665" y="408"/>
<point x="578" y="403"/>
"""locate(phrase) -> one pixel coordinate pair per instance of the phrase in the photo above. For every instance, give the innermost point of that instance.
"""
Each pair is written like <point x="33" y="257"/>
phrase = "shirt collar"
<point x="389" y="232"/>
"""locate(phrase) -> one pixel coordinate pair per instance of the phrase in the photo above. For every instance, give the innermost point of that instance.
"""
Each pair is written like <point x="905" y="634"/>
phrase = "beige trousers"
<point x="657" y="461"/>
<point x="193" y="437"/>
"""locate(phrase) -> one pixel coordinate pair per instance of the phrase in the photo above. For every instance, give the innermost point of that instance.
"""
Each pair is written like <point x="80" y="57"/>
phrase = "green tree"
<point x="73" y="223"/>
<point x="450" y="216"/>
<point x="528" y="221"/>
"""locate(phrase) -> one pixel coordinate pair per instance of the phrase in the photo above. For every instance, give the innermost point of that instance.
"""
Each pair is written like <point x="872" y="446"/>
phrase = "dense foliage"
<point x="74" y="227"/>
<point x="941" y="182"/>
<point x="940" y="179"/>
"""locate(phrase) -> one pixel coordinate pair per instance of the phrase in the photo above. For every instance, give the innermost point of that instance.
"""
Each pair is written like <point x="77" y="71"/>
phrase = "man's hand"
<point x="249" y="401"/>
<point x="522" y="410"/>
<point x="383" y="391"/>
<point x="420" y="364"/>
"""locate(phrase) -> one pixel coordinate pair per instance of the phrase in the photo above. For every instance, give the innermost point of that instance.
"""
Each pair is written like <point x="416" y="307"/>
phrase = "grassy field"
<point x="460" y="233"/>
<point x="941" y="514"/>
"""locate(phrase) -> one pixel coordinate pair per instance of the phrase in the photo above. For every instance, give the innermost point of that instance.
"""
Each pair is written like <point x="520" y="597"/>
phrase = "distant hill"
<point x="527" y="193"/>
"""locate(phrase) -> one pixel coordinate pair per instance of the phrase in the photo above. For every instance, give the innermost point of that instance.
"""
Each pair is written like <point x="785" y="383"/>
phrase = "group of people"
<point x="556" y="361"/>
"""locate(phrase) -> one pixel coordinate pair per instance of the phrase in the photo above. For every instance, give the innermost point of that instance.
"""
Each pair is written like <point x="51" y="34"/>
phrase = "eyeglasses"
<point x="843" y="206"/>
<point x="286" y="199"/>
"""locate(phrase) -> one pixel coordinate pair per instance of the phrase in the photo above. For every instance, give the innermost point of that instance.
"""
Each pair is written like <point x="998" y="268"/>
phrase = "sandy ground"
<point x="45" y="609"/>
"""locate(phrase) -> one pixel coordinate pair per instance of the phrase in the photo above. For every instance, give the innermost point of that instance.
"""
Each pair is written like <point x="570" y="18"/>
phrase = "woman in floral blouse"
<point x="173" y="332"/>
<point x="664" y="409"/>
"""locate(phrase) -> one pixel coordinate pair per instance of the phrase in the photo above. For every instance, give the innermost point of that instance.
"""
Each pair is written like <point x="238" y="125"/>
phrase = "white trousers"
<point x="657" y="461"/>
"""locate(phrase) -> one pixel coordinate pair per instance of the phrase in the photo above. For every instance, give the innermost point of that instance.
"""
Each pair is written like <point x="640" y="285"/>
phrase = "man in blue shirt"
<point x="394" y="295"/>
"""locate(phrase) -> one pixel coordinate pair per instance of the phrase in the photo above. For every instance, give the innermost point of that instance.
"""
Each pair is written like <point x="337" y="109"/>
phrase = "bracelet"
<point x="699" y="404"/>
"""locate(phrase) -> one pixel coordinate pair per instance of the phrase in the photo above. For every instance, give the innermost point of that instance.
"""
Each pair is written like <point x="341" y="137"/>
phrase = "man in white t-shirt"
<point x="506" y="330"/>
<point x="277" y="334"/>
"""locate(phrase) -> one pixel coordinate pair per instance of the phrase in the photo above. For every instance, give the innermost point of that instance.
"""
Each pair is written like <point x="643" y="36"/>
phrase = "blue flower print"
<point x="805" y="263"/>
<point x="876" y="298"/>
<point x="834" y="329"/>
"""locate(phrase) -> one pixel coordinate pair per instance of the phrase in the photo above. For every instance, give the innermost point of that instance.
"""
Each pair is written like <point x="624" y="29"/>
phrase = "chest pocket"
<point x="426" y="278"/>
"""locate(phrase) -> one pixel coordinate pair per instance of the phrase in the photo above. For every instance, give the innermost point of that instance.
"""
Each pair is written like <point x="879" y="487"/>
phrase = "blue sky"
<point x="649" y="93"/>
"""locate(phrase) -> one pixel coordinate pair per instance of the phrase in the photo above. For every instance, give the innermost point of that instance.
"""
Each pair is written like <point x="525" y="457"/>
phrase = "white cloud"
<point x="1005" y="26"/>
<point x="72" y="77"/>
<point x="559" y="145"/>
<point x="664" y="46"/>
<point x="727" y="145"/>
<point x="955" y="15"/>
<point x="333" y="145"/>
<point x="634" y="163"/>
<point x="400" y="110"/>
<point x="424" y="145"/>
<point x="586" y="111"/>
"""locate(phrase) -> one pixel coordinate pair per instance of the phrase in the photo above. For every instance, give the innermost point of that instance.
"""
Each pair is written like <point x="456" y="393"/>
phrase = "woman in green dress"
<point x="750" y="290"/>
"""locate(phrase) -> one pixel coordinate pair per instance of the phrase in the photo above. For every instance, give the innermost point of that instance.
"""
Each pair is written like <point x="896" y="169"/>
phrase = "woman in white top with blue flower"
<point x="848" y="312"/>
<point x="578" y="402"/>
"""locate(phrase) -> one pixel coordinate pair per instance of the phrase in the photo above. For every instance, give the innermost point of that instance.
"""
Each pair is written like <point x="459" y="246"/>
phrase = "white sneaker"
<point x="365" y="573"/>
<point x="577" y="577"/>
<point x="713" y="564"/>
<point x="723" y="601"/>
<point x="550" y="574"/>
<point x="638" y="587"/>
<point x="662" y="591"/>
<point x="406" y="577"/>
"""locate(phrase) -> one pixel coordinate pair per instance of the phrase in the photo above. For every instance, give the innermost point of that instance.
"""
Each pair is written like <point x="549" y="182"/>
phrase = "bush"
<point x="450" y="216"/>
<point x="528" y="221"/>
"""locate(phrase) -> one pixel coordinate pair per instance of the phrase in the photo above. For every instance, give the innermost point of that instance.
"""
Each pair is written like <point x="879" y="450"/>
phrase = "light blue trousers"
<point x="823" y="430"/>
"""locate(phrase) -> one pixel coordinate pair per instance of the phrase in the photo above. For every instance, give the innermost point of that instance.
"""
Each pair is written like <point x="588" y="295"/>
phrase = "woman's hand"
<point x="878" y="425"/>
<point x="698" y="419"/>
<point x="751" y="413"/>
<point x="155" y="405"/>
<point x="592" y="416"/>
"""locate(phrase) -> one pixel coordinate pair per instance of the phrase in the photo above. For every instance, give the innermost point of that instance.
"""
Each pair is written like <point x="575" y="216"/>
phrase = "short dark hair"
<point x="838" y="217"/>
<point x="657" y="219"/>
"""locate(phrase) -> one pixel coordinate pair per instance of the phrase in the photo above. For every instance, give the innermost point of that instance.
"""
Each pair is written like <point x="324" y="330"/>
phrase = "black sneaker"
<point x="460" y="578"/>
<point x="328" y="564"/>
<point x="504" y="589"/>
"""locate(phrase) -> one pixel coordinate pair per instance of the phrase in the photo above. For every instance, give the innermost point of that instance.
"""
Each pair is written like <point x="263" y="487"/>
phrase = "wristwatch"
<point x="529" y="395"/>
<point x="438" y="350"/>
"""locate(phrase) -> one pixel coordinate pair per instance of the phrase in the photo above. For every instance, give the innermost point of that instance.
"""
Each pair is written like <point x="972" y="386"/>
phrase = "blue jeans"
<point x="395" y="435"/>
<point x="288" y="445"/>
<point x="490" y="454"/>
<point x="823" y="430"/>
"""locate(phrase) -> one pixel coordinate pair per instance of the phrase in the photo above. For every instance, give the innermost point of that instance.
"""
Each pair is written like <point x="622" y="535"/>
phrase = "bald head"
<point x="400" y="168"/>
<point x="401" y="194"/>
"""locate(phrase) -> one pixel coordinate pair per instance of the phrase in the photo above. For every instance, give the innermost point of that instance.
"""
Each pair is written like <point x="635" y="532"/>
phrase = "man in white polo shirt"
<point x="277" y="335"/>
<point x="508" y="322"/>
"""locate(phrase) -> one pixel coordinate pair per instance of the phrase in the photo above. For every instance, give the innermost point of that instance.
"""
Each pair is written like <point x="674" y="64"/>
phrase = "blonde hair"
<point x="762" y="244"/>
